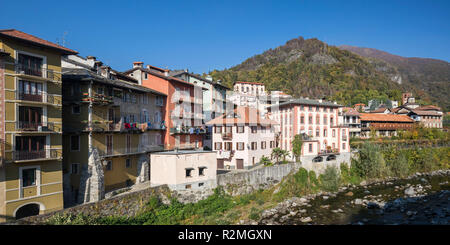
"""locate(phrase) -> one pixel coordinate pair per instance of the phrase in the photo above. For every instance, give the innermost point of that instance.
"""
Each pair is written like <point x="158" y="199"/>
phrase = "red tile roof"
<point x="245" y="115"/>
<point x="30" y="38"/>
<point x="379" y="110"/>
<point x="350" y="111"/>
<point x="373" y="117"/>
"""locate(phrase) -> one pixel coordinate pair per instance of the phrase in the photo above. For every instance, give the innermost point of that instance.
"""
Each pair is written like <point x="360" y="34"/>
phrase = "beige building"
<point x="31" y="180"/>
<point x="111" y="124"/>
<point x="184" y="169"/>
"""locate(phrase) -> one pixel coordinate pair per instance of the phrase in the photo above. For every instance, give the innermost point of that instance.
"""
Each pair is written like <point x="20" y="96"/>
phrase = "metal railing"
<point x="187" y="130"/>
<point x="35" y="126"/>
<point x="37" y="72"/>
<point x="227" y="136"/>
<point x="38" y="154"/>
<point x="29" y="97"/>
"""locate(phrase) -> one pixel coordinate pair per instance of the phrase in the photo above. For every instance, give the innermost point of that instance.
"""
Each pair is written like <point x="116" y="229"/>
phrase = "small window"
<point x="343" y="146"/>
<point x="254" y="129"/>
<point x="188" y="186"/>
<point x="263" y="145"/>
<point x="128" y="163"/>
<point x="310" y="148"/>
<point x="74" y="168"/>
<point x="240" y="146"/>
<point x="201" y="171"/>
<point x="218" y="129"/>
<point x="240" y="129"/>
<point x="76" y="109"/>
<point x="109" y="165"/>
<point x="189" y="172"/>
<point x="28" y="177"/>
<point x="75" y="143"/>
<point x="218" y="146"/>
<point x="201" y="184"/>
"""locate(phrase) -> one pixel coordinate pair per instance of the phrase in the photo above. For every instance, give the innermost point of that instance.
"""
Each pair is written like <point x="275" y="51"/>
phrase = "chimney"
<point x="105" y="71"/>
<point x="91" y="60"/>
<point x="166" y="73"/>
<point x="139" y="64"/>
<point x="97" y="66"/>
<point x="186" y="70"/>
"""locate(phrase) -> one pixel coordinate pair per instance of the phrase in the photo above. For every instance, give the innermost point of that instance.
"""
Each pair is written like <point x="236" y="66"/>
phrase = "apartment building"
<point x="31" y="179"/>
<point x="350" y="118"/>
<point x="241" y="137"/>
<point x="111" y="125"/>
<point x="316" y="121"/>
<point x="183" y="112"/>
<point x="214" y="98"/>
<point x="428" y="116"/>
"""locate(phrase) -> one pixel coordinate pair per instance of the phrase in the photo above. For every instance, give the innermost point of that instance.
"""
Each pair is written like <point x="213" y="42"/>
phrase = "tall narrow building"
<point x="31" y="180"/>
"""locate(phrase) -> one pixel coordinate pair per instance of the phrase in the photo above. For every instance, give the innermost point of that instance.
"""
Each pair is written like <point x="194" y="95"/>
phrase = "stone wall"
<point x="245" y="182"/>
<point x="127" y="204"/>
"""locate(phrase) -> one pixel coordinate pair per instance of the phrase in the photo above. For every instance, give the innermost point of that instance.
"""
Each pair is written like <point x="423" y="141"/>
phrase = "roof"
<point x="373" y="117"/>
<point x="176" y="73"/>
<point x="425" y="113"/>
<point x="84" y="74"/>
<point x="256" y="83"/>
<point x="242" y="115"/>
<point x="428" y="108"/>
<point x="350" y="111"/>
<point x="12" y="33"/>
<point x="380" y="110"/>
<point x="158" y="74"/>
<point x="303" y="101"/>
<point x="182" y="152"/>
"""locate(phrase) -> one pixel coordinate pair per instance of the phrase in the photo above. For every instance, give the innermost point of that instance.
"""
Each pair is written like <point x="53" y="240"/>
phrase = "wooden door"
<point x="240" y="163"/>
<point x="220" y="164"/>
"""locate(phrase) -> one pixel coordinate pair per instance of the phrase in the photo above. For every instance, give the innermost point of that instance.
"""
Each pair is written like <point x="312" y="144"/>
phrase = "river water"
<point x="423" y="199"/>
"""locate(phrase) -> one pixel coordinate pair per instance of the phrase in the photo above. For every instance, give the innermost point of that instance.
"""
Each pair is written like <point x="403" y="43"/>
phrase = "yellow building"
<point x="31" y="125"/>
<point x="111" y="124"/>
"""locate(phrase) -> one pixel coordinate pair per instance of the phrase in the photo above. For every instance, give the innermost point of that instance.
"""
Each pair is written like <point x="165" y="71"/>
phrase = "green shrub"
<point x="254" y="214"/>
<point x="330" y="179"/>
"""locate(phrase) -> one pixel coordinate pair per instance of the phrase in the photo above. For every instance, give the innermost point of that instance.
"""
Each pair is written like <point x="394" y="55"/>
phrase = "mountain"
<point x="431" y="75"/>
<point x="311" y="68"/>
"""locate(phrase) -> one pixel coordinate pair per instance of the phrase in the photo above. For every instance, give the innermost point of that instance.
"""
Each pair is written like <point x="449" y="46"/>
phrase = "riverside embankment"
<point x="418" y="199"/>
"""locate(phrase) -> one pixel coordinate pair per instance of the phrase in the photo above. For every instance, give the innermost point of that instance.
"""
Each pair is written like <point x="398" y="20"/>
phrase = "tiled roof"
<point x="308" y="102"/>
<point x="30" y="38"/>
<point x="373" y="117"/>
<point x="428" y="108"/>
<point x="350" y="111"/>
<point x="242" y="115"/>
<point x="379" y="110"/>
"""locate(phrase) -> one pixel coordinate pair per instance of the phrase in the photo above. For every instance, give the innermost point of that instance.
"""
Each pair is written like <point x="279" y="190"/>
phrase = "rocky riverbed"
<point x="418" y="199"/>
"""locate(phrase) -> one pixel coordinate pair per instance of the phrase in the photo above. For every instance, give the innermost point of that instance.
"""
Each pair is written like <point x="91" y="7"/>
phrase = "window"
<point x="263" y="145"/>
<point x="188" y="186"/>
<point x="76" y="109"/>
<point x="201" y="184"/>
<point x="201" y="171"/>
<point x="334" y="132"/>
<point x="343" y="146"/>
<point x="218" y="146"/>
<point x="331" y="120"/>
<point x="75" y="143"/>
<point x="228" y="146"/>
<point x="128" y="163"/>
<point x="317" y="133"/>
<point x="317" y="108"/>
<point x="324" y="132"/>
<point x="240" y="146"/>
<point x="145" y="75"/>
<point x="310" y="148"/>
<point x="240" y="129"/>
<point x="310" y="120"/>
<point x="317" y="120"/>
<point x="28" y="177"/>
<point x="310" y="108"/>
<point x="325" y="120"/>
<point x="302" y="108"/>
<point x="254" y="146"/>
<point x="74" y="168"/>
<point x="254" y="129"/>
<point x="99" y="90"/>
<point x="31" y="91"/>
<point x="30" y="65"/>
<point x="218" y="129"/>
<point x="109" y="165"/>
<point x="302" y="119"/>
<point x="189" y="172"/>
<point x="159" y="101"/>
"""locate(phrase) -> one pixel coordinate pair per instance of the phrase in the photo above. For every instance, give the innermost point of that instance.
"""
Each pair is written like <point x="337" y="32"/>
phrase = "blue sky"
<point x="208" y="35"/>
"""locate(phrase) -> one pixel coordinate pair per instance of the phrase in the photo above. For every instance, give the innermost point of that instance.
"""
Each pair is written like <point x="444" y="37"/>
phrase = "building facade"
<point x="316" y="121"/>
<point x="31" y="180"/>
<point x="183" y="112"/>
<point x="111" y="125"/>
<point x="350" y="118"/>
<point x="387" y="125"/>
<point x="241" y="137"/>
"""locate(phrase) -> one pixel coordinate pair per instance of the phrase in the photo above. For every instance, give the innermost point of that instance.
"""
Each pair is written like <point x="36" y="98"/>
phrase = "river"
<point x="420" y="199"/>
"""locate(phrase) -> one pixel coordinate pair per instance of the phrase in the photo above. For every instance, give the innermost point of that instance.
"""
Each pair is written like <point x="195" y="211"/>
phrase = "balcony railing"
<point x="329" y="151"/>
<point x="35" y="126"/>
<point x="39" y="154"/>
<point x="187" y="130"/>
<point x="30" y="97"/>
<point x="183" y="146"/>
<point x="37" y="72"/>
<point x="97" y="98"/>
<point x="129" y="150"/>
<point x="227" y="136"/>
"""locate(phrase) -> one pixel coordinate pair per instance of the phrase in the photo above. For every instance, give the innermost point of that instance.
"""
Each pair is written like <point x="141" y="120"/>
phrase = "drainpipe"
<point x="90" y="119"/>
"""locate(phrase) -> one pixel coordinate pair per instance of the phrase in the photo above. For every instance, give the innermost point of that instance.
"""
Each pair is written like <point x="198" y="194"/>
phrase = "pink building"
<point x="241" y="137"/>
<point x="317" y="121"/>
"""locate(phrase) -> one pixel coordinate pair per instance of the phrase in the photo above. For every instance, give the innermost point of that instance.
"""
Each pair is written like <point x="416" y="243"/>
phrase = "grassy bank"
<point x="373" y="162"/>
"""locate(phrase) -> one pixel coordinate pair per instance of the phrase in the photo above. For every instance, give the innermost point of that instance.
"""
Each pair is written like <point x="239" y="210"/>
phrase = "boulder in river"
<point x="410" y="191"/>
<point x="349" y="194"/>
<point x="358" y="201"/>
<point x="306" y="219"/>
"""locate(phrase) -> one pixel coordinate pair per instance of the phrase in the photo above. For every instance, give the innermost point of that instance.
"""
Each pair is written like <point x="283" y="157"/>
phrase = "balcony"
<point x="227" y="136"/>
<point x="328" y="152"/>
<point x="184" y="146"/>
<point x="30" y="97"/>
<point x="34" y="72"/>
<point x="35" y="126"/>
<point x="187" y="130"/>
<point x="111" y="152"/>
<point x="39" y="154"/>
<point x="98" y="99"/>
<point x="225" y="154"/>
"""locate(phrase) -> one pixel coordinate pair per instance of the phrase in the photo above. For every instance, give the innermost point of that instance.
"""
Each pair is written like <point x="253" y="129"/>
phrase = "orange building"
<point x="183" y="111"/>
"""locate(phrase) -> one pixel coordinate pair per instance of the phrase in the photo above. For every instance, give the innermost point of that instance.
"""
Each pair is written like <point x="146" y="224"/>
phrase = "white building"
<point x="241" y="137"/>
